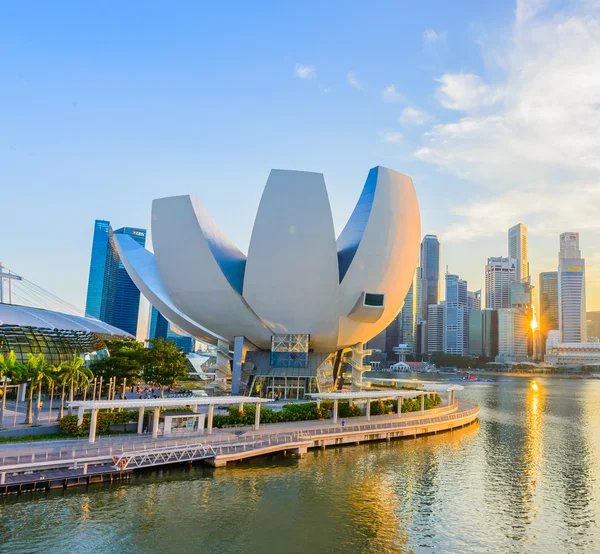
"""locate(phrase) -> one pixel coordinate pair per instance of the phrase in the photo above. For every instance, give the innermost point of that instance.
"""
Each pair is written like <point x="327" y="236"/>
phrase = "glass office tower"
<point x="430" y="274"/>
<point x="160" y="327"/>
<point x="112" y="296"/>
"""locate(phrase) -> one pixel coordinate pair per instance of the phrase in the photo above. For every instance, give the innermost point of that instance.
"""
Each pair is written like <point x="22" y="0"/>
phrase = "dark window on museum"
<point x="373" y="299"/>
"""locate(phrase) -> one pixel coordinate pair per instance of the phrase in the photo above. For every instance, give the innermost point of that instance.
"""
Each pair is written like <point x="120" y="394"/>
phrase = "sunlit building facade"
<point x="513" y="335"/>
<point x="518" y="250"/>
<point x="548" y="305"/>
<point x="500" y="273"/>
<point x="571" y="290"/>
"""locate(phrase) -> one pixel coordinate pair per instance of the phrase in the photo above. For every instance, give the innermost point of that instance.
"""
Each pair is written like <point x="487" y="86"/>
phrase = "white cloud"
<point x="305" y="71"/>
<point x="414" y="116"/>
<point x="431" y="37"/>
<point x="392" y="137"/>
<point x="531" y="139"/>
<point x="353" y="81"/>
<point x="527" y="9"/>
<point x="390" y="94"/>
<point x="465" y="92"/>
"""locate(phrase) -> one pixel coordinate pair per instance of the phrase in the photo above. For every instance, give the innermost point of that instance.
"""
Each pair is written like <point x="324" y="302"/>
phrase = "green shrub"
<point x="68" y="424"/>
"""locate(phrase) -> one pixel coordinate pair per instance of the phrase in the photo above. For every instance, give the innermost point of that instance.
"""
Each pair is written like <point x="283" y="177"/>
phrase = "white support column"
<point x="400" y="400"/>
<point x="93" y="423"/>
<point x="80" y="416"/>
<point x="241" y="408"/>
<point x="211" y="413"/>
<point x="257" y="416"/>
<point x="318" y="403"/>
<point x="368" y="409"/>
<point x="140" y="428"/>
<point x="335" y="410"/>
<point x="422" y="402"/>
<point x="155" y="420"/>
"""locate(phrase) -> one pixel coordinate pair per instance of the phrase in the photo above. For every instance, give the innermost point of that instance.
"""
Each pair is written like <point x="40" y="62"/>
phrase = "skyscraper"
<point x="456" y="316"/>
<point x="517" y="250"/>
<point x="571" y="290"/>
<point x="513" y="335"/>
<point x="112" y="296"/>
<point x="483" y="333"/>
<point x="160" y="327"/>
<point x="430" y="274"/>
<point x="435" y="328"/>
<point x="101" y="282"/>
<point x="474" y="300"/>
<point x="500" y="273"/>
<point x="593" y="325"/>
<point x="548" y="301"/>
<point x="409" y="316"/>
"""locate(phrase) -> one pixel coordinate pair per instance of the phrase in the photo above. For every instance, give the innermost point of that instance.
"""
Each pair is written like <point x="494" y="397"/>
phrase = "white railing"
<point x="221" y="443"/>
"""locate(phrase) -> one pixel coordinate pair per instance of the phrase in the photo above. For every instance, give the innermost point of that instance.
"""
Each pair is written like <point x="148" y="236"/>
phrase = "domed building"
<point x="297" y="309"/>
<point x="58" y="336"/>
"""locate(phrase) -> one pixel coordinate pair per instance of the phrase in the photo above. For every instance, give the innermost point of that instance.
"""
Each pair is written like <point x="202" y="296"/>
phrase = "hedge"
<point x="68" y="424"/>
<point x="309" y="411"/>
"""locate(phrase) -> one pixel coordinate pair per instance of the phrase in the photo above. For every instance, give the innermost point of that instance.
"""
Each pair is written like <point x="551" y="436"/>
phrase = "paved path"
<point x="107" y="446"/>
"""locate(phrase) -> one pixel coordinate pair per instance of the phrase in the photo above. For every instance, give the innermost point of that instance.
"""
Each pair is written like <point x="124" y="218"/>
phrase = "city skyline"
<point x="422" y="95"/>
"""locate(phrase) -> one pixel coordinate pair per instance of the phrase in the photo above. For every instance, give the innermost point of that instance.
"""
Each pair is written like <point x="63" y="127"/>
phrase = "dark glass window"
<point x="374" y="299"/>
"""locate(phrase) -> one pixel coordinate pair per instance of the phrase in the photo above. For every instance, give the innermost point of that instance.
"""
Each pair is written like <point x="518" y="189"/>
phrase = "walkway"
<point x="222" y="446"/>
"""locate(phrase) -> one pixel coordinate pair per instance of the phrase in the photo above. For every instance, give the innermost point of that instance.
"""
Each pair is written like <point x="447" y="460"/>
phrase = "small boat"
<point x="448" y="371"/>
<point x="470" y="377"/>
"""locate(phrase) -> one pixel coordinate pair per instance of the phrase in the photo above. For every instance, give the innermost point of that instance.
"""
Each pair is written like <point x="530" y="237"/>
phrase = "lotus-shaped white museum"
<point x="296" y="279"/>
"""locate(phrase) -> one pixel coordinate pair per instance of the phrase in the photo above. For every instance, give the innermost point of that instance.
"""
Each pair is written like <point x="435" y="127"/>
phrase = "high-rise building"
<point x="101" y="282"/>
<point x="571" y="290"/>
<point x="409" y="316"/>
<point x="160" y="327"/>
<point x="513" y="335"/>
<point x="593" y="325"/>
<point x="548" y="303"/>
<point x="474" y="300"/>
<point x="430" y="274"/>
<point x="517" y="250"/>
<point x="456" y="316"/>
<point x="435" y="328"/>
<point x="483" y="333"/>
<point x="112" y="296"/>
<point x="500" y="273"/>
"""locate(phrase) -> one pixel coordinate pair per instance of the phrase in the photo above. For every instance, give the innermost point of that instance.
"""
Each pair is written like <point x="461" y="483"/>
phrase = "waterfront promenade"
<point x="44" y="464"/>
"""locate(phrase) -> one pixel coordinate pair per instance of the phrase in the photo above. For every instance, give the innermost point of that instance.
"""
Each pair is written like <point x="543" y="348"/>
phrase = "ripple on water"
<point x="524" y="479"/>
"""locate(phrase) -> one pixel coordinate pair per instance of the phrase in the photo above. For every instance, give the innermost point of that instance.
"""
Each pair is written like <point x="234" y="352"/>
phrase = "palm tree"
<point x="37" y="370"/>
<point x="61" y="381"/>
<point x="45" y="374"/>
<point x="9" y="369"/>
<point x="76" y="376"/>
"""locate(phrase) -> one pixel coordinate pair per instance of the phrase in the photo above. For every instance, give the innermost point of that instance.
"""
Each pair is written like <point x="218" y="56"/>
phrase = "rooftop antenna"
<point x="11" y="277"/>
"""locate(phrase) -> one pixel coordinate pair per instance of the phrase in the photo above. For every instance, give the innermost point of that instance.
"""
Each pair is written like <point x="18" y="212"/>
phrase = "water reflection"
<point x="522" y="480"/>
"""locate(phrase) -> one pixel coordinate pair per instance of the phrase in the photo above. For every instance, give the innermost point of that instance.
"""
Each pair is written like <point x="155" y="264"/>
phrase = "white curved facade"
<point x="291" y="278"/>
<point x="297" y="277"/>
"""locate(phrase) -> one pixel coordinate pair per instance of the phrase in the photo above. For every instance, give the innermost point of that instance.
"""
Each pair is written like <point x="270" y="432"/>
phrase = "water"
<point x="524" y="479"/>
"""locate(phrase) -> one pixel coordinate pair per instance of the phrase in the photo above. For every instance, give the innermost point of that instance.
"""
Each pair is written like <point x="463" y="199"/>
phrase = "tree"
<point x="37" y="370"/>
<point x="61" y="381"/>
<point x="167" y="364"/>
<point x="11" y="369"/>
<point x="127" y="360"/>
<point x="75" y="375"/>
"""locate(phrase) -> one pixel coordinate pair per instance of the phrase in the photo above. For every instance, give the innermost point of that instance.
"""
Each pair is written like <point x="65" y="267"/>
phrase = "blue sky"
<point x="491" y="107"/>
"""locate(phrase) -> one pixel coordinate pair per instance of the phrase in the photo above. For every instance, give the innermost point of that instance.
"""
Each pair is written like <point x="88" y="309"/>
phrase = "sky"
<point x="493" y="109"/>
